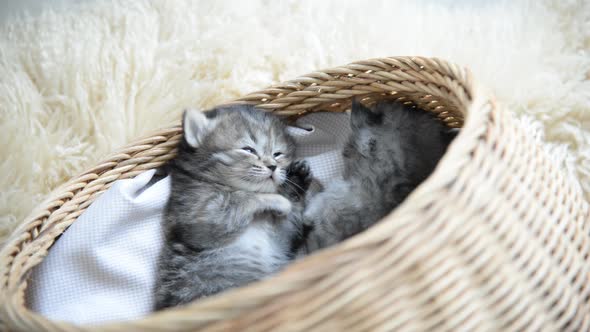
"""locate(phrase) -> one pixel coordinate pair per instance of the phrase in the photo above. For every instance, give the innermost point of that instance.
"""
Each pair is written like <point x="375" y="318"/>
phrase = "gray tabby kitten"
<point x="234" y="213"/>
<point x="391" y="150"/>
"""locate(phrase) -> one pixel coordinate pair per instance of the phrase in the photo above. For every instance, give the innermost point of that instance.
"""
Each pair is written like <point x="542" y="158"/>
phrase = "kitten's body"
<point x="391" y="150"/>
<point x="235" y="207"/>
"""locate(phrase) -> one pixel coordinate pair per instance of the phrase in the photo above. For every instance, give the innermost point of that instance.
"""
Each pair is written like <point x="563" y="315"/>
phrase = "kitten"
<point x="392" y="148"/>
<point x="234" y="214"/>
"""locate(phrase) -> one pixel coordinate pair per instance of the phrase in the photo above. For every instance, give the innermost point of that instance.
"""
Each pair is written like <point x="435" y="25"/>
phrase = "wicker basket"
<point x="496" y="239"/>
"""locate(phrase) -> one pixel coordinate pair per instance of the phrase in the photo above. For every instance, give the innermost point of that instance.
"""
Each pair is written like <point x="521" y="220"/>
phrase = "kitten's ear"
<point x="195" y="126"/>
<point x="361" y="116"/>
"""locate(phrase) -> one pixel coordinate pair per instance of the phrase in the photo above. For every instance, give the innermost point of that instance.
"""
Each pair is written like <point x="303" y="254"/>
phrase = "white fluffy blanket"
<point x="77" y="84"/>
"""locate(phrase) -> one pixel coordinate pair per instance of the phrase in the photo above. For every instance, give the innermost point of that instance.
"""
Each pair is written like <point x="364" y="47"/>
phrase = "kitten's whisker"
<point x="297" y="192"/>
<point x="294" y="184"/>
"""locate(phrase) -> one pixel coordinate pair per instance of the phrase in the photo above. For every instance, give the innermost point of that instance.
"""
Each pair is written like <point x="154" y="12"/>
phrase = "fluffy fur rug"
<point x="77" y="84"/>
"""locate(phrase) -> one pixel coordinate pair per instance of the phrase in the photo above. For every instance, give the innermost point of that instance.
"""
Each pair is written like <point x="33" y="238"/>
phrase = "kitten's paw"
<point x="277" y="205"/>
<point x="299" y="176"/>
<point x="308" y="222"/>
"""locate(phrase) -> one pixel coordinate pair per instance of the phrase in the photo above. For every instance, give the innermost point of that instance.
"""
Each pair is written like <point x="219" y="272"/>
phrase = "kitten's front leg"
<point x="331" y="216"/>
<point x="273" y="203"/>
<point x="223" y="217"/>
<point x="315" y="221"/>
<point x="253" y="203"/>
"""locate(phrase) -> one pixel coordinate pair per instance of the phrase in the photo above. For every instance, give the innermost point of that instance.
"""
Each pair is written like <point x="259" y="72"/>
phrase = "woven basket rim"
<point x="441" y="86"/>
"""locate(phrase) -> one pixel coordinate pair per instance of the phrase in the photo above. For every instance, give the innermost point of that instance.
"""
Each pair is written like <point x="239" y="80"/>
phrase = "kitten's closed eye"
<point x="249" y="149"/>
<point x="277" y="154"/>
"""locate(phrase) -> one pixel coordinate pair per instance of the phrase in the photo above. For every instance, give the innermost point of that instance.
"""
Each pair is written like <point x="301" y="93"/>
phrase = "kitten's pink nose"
<point x="272" y="167"/>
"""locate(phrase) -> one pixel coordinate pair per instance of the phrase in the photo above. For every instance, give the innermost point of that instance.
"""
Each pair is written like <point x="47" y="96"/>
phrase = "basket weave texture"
<point x="496" y="239"/>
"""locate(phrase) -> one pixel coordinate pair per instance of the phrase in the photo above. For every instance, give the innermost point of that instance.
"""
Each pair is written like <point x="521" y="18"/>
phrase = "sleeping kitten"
<point x="234" y="213"/>
<point x="391" y="150"/>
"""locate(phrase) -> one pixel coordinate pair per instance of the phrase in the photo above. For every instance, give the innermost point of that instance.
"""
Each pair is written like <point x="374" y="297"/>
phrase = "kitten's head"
<point x="370" y="135"/>
<point x="391" y="137"/>
<point x="238" y="146"/>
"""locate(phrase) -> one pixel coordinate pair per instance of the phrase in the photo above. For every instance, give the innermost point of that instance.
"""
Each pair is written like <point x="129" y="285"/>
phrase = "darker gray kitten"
<point x="391" y="150"/>
<point x="234" y="213"/>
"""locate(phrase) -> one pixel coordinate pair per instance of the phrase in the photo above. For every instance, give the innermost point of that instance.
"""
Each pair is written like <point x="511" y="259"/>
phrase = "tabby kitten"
<point x="234" y="213"/>
<point x="392" y="148"/>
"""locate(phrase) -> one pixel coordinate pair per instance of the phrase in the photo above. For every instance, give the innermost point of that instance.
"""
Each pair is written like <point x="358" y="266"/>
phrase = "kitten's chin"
<point x="270" y="185"/>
